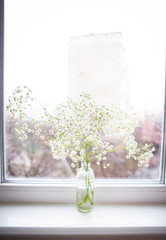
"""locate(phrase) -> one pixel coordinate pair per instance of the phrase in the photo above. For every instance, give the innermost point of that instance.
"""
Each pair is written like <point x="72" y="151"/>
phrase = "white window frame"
<point x="63" y="191"/>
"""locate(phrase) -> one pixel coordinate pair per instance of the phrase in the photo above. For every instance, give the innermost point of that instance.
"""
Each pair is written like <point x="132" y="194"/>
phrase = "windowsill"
<point x="64" y="219"/>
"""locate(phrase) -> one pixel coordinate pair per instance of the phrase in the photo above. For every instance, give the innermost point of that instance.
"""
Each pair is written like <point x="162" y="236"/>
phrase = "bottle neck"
<point x="85" y="165"/>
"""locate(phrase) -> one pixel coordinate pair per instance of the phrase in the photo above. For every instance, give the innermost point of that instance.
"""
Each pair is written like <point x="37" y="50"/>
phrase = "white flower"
<point x="42" y="137"/>
<point x="25" y="125"/>
<point x="73" y="165"/>
<point x="17" y="131"/>
<point x="73" y="153"/>
<point x="74" y="159"/>
<point x="51" y="132"/>
<point x="81" y="129"/>
<point x="36" y="126"/>
<point x="25" y="136"/>
<point x="37" y="132"/>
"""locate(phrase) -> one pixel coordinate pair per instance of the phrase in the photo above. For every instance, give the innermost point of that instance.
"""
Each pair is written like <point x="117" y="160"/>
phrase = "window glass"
<point x="115" y="50"/>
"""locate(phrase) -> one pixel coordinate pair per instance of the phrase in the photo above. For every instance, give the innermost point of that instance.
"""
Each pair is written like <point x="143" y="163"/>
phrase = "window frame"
<point x="63" y="191"/>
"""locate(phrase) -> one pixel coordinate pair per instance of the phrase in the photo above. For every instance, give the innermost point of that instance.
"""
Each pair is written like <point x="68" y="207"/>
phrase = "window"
<point x="58" y="49"/>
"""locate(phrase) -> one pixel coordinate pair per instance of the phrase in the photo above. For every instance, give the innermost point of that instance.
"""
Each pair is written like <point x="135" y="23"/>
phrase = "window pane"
<point x="115" y="50"/>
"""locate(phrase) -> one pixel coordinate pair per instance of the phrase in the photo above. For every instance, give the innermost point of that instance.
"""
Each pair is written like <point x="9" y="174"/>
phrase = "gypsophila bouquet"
<point x="79" y="129"/>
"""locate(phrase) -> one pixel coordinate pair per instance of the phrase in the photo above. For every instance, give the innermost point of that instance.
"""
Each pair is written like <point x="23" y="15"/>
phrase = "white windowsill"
<point x="64" y="219"/>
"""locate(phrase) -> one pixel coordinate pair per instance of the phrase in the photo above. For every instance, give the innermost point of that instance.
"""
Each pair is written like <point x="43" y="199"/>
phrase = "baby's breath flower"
<point x="17" y="131"/>
<point x="25" y="126"/>
<point x="22" y="131"/>
<point x="25" y="136"/>
<point x="37" y="132"/>
<point x="51" y="132"/>
<point x="36" y="126"/>
<point x="16" y="124"/>
<point x="80" y="129"/>
<point x="73" y="153"/>
<point x="73" y="165"/>
<point x="42" y="137"/>
<point x="29" y="130"/>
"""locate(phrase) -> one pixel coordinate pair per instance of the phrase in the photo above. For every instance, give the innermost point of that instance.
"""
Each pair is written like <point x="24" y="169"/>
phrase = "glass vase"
<point x="85" y="188"/>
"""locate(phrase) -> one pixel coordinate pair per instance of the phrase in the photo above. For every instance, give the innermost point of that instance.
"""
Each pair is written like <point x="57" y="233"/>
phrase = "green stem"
<point x="89" y="190"/>
<point x="87" y="196"/>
